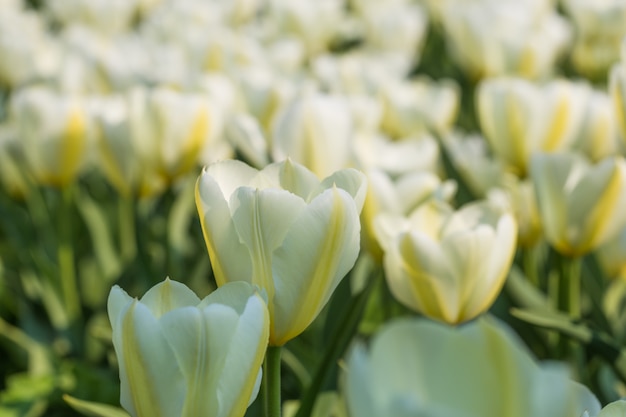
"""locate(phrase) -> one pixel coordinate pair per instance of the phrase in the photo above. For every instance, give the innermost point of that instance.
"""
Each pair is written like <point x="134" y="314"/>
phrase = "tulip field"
<point x="327" y="208"/>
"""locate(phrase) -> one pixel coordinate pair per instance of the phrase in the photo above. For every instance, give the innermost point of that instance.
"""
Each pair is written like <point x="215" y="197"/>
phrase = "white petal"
<point x="230" y="258"/>
<point x="151" y="381"/>
<point x="319" y="250"/>
<point x="168" y="295"/>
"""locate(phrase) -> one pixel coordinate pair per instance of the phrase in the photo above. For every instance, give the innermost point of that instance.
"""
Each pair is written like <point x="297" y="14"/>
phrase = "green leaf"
<point x="93" y="409"/>
<point x="99" y="230"/>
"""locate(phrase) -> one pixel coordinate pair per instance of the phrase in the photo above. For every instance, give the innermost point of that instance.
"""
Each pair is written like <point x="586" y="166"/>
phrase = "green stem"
<point x="127" y="225"/>
<point x="530" y="261"/>
<point x="569" y="302"/>
<point x="339" y="342"/>
<point x="65" y="253"/>
<point x="569" y="288"/>
<point x="271" y="382"/>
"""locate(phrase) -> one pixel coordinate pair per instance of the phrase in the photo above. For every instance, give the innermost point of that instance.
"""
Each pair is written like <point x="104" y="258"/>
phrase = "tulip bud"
<point x="413" y="369"/>
<point x="55" y="129"/>
<point x="314" y="130"/>
<point x="581" y="206"/>
<point x="283" y="230"/>
<point x="447" y="265"/>
<point x="179" y="356"/>
<point x="519" y="117"/>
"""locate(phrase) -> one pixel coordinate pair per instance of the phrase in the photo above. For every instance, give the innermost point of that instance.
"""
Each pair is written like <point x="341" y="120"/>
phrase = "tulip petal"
<point x="217" y="225"/>
<point x="318" y="251"/>
<point x="151" y="382"/>
<point x="230" y="175"/>
<point x="600" y="199"/>
<point x="262" y="219"/>
<point x="550" y="176"/>
<point x="220" y="352"/>
<point x="615" y="409"/>
<point x="426" y="282"/>
<point x="167" y="296"/>
<point x="352" y="181"/>
<point x="293" y="177"/>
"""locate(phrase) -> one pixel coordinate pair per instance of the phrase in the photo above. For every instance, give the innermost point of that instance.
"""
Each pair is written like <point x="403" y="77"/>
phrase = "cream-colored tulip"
<point x="494" y="38"/>
<point x="413" y="107"/>
<point x="414" y="153"/>
<point x="600" y="27"/>
<point x="314" y="130"/>
<point x="519" y="117"/>
<point x="180" y="356"/>
<point x="395" y="27"/>
<point x="25" y="46"/>
<point x="313" y="23"/>
<point x="598" y="136"/>
<point x="283" y="230"/>
<point x="398" y="196"/>
<point x="449" y="265"/>
<point x="470" y="155"/>
<point x="55" y="129"/>
<point x="581" y="205"/>
<point x="172" y="128"/>
<point x="416" y="367"/>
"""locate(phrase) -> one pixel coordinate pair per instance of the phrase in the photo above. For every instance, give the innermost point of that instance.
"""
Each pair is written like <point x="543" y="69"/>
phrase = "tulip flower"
<point x="399" y="196"/>
<point x="183" y="357"/>
<point x="314" y="130"/>
<point x="283" y="230"/>
<point x="55" y="129"/>
<point x="581" y="205"/>
<point x="519" y="117"/>
<point x="600" y="28"/>
<point x="449" y="265"/>
<point x="149" y="138"/>
<point x="417" y="367"/>
<point x="497" y="37"/>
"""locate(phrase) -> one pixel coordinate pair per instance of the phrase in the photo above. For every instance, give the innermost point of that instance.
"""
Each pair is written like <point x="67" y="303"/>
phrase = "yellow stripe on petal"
<point x="72" y="146"/>
<point x="320" y="248"/>
<point x="558" y="126"/>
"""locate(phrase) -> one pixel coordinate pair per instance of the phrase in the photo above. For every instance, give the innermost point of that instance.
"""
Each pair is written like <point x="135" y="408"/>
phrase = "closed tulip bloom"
<point x="314" y="130"/>
<point x="416" y="367"/>
<point x="492" y="38"/>
<point x="449" y="265"/>
<point x="581" y="205"/>
<point x="283" y="230"/>
<point x="183" y="357"/>
<point x="55" y="129"/>
<point x="519" y="117"/>
<point x="398" y="196"/>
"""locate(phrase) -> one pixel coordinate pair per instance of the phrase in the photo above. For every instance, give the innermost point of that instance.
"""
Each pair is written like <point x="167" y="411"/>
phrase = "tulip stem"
<point x="569" y="302"/>
<point x="271" y="382"/>
<point x="67" y="271"/>
<point x="127" y="228"/>
<point x="569" y="292"/>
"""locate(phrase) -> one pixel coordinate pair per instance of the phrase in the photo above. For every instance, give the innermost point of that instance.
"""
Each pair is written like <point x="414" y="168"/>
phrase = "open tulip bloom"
<point x="183" y="357"/>
<point x="449" y="265"/>
<point x="283" y="230"/>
